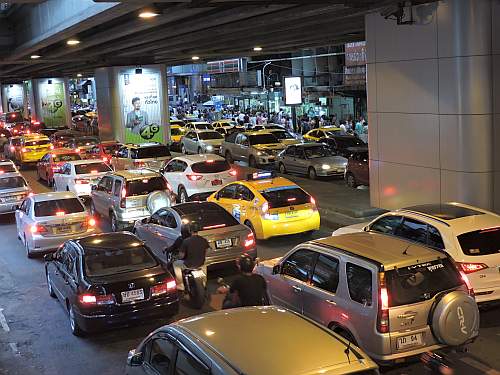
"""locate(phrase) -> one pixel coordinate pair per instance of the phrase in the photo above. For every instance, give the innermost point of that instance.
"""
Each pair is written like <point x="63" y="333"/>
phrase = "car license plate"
<point x="291" y="214"/>
<point x="216" y="182"/>
<point x="64" y="229"/>
<point x="407" y="341"/>
<point x="223" y="243"/>
<point x="133" y="295"/>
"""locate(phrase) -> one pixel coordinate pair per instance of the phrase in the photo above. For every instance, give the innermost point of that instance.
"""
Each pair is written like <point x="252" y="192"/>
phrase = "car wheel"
<point x="183" y="150"/>
<point x="282" y="168"/>
<point x="183" y="197"/>
<point x="312" y="173"/>
<point x="73" y="324"/>
<point x="350" y="180"/>
<point x="252" y="162"/>
<point x="49" y="286"/>
<point x="93" y="211"/>
<point x="229" y="158"/>
<point x="29" y="254"/>
<point x="115" y="227"/>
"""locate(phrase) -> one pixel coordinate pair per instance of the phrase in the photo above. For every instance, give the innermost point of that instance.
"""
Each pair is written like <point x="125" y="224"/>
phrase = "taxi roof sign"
<point x="264" y="175"/>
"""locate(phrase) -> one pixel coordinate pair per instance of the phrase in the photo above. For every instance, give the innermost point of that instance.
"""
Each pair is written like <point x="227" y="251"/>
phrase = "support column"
<point x="433" y="135"/>
<point x="51" y="102"/>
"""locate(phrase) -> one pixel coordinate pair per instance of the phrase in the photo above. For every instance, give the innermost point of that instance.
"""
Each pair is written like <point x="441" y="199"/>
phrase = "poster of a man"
<point x="137" y="119"/>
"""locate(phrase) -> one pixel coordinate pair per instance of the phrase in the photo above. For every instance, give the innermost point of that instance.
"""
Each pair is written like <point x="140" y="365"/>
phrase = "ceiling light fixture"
<point x="72" y="42"/>
<point x="195" y="58"/>
<point x="148" y="14"/>
<point x="79" y="75"/>
<point x="257" y="49"/>
<point x="34" y="57"/>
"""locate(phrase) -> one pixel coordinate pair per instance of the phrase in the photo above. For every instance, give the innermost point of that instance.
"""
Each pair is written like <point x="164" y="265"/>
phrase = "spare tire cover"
<point x="158" y="199"/>
<point x="455" y="319"/>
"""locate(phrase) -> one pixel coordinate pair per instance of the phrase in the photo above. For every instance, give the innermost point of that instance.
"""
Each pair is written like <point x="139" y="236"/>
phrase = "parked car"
<point x="357" y="171"/>
<point x="255" y="148"/>
<point x="195" y="177"/>
<point x="61" y="137"/>
<point x="201" y="142"/>
<point x="342" y="144"/>
<point x="394" y="299"/>
<point x="7" y="166"/>
<point x="470" y="235"/>
<point x="198" y="125"/>
<point x="109" y="279"/>
<point x="122" y="196"/>
<point x="13" y="190"/>
<point x="52" y="162"/>
<point x="11" y="148"/>
<point x="266" y="127"/>
<point x="104" y="150"/>
<point x="284" y="136"/>
<point x="33" y="147"/>
<point x="315" y="135"/>
<point x="177" y="132"/>
<point x="312" y="159"/>
<point x="79" y="176"/>
<point x="227" y="238"/>
<point x="224" y="124"/>
<point x="145" y="155"/>
<point x="249" y="341"/>
<point x="82" y="144"/>
<point x="45" y="221"/>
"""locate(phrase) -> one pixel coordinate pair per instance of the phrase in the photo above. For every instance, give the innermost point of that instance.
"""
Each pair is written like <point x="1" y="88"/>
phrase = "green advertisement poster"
<point x="52" y="97"/>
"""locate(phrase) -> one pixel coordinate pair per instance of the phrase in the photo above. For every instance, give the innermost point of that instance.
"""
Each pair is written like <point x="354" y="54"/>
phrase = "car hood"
<point x="270" y="146"/>
<point x="351" y="229"/>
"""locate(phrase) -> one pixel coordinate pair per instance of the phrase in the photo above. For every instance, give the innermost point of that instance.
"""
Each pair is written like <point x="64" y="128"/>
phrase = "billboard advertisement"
<point x="293" y="90"/>
<point x="13" y="98"/>
<point x="141" y="107"/>
<point x="53" y="103"/>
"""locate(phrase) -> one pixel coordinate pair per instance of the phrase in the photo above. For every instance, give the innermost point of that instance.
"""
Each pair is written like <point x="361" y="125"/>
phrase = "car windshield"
<point x="203" y="126"/>
<point x="262" y="139"/>
<point x="177" y="131"/>
<point x="55" y="206"/>
<point x="285" y="196"/>
<point x="150" y="152"/>
<point x="111" y="149"/>
<point x="145" y="186"/>
<point x="283" y="135"/>
<point x="407" y="285"/>
<point x="66" y="157"/>
<point x="205" y="217"/>
<point x="109" y="261"/>
<point x="7" y="168"/>
<point x="317" y="152"/>
<point x="481" y="242"/>
<point x="12" y="182"/>
<point x="331" y="133"/>
<point x="41" y="142"/>
<point x="210" y="135"/>
<point x="86" y="141"/>
<point x="349" y="142"/>
<point x="211" y="166"/>
<point x="92" y="168"/>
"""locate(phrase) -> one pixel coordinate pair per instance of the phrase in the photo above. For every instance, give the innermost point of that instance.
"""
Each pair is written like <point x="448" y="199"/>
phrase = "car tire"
<point x="229" y="158"/>
<point x="311" y="173"/>
<point x="252" y="162"/>
<point x="29" y="254"/>
<point x="343" y="332"/>
<point x="93" y="211"/>
<point x="73" y="324"/>
<point x="115" y="227"/>
<point x="282" y="168"/>
<point x="350" y="180"/>
<point x="183" y="150"/>
<point x="183" y="197"/>
<point x="49" y="286"/>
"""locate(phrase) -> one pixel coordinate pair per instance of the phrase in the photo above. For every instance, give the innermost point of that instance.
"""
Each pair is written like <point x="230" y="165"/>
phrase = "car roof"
<point x="42" y="197"/>
<point x="150" y="144"/>
<point x="63" y="150"/>
<point x="35" y="136"/>
<point x="199" y="122"/>
<point x="85" y="161"/>
<point x="385" y="250"/>
<point x="270" y="183"/>
<point x="205" y="131"/>
<point x="445" y="211"/>
<point x="131" y="174"/>
<point x="108" y="240"/>
<point x="328" y="128"/>
<point x="196" y="158"/>
<point x="258" y="132"/>
<point x="191" y="207"/>
<point x="272" y="340"/>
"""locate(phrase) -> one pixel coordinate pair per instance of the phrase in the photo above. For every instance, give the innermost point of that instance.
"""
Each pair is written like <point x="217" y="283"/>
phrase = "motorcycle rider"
<point x="247" y="289"/>
<point x="192" y="250"/>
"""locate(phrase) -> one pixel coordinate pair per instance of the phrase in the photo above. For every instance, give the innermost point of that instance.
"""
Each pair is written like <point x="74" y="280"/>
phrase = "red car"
<point x="52" y="162"/>
<point x="357" y="171"/>
<point x="104" y="150"/>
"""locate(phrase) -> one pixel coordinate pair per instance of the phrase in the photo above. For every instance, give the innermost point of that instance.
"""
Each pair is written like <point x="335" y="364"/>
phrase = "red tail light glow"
<point x="194" y="177"/>
<point x="214" y="226"/>
<point x="313" y="201"/>
<point x="210" y="161"/>
<point x="105" y="159"/>
<point x="467" y="283"/>
<point x="24" y="149"/>
<point x="37" y="229"/>
<point x="51" y="147"/>
<point x="12" y="148"/>
<point x="383" y="306"/>
<point x="163" y="288"/>
<point x="92" y="222"/>
<point x="265" y="207"/>
<point x="81" y="182"/>
<point x="250" y="240"/>
<point x="91" y="299"/>
<point x="169" y="187"/>
<point x="472" y="267"/>
<point x="2" y="172"/>
<point x="233" y="173"/>
<point x="60" y="213"/>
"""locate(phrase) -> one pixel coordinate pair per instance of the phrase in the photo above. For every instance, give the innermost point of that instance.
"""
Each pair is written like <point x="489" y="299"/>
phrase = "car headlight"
<point x="262" y="153"/>
<point x="209" y="148"/>
<point x="325" y="166"/>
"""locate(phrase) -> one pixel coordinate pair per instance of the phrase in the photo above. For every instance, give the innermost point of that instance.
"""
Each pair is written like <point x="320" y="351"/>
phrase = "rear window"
<point x="111" y="149"/>
<point x="262" y="139"/>
<point x="92" y="168"/>
<point x="421" y="282"/>
<point x="37" y="143"/>
<point x="319" y="151"/>
<point x="66" y="157"/>
<point x="481" y="242"/>
<point x="110" y="261"/>
<point x="284" y="197"/>
<point x="49" y="208"/>
<point x="207" y="217"/>
<point x="12" y="182"/>
<point x="87" y="141"/>
<point x="210" y="135"/>
<point x="149" y="152"/>
<point x="145" y="186"/>
<point x="7" y="168"/>
<point x="215" y="166"/>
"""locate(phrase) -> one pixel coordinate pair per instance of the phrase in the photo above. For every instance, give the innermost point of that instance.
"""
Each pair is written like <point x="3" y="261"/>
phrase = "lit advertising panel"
<point x="293" y="90"/>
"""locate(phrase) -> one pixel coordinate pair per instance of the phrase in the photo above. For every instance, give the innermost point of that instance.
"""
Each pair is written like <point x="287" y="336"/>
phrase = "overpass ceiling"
<point x="211" y="29"/>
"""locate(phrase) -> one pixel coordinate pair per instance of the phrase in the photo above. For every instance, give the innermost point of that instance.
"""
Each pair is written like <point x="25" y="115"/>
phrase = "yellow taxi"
<point x="224" y="123"/>
<point x="269" y="205"/>
<point x="315" y="135"/>
<point x="177" y="131"/>
<point x="32" y="148"/>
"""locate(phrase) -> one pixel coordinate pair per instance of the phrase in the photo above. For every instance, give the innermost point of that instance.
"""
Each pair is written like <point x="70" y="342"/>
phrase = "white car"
<point x="201" y="142"/>
<point x="198" y="125"/>
<point x="8" y="166"/>
<point x="469" y="234"/>
<point x="195" y="177"/>
<point x="78" y="176"/>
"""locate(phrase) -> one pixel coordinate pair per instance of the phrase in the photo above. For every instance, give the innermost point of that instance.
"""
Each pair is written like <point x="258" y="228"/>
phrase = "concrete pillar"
<point x="434" y="105"/>
<point x="117" y="87"/>
<point x="51" y="102"/>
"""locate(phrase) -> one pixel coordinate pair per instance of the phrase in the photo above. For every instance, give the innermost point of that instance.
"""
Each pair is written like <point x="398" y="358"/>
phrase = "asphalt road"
<point x="35" y="337"/>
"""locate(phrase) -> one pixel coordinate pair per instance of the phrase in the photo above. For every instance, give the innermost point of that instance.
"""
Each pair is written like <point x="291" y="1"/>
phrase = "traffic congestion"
<point x="132" y="235"/>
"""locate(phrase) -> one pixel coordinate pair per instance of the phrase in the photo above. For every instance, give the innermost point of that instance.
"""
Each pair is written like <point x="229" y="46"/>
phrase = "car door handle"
<point x="329" y="301"/>
<point x="296" y="289"/>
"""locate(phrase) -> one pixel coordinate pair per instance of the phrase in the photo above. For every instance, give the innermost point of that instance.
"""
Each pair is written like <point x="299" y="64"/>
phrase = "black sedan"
<point x="110" y="279"/>
<point x="340" y="144"/>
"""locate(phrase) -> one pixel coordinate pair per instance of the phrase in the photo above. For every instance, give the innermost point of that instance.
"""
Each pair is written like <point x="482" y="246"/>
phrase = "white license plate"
<point x="133" y="295"/>
<point x="408" y="341"/>
<point x="223" y="243"/>
<point x="291" y="214"/>
<point x="63" y="229"/>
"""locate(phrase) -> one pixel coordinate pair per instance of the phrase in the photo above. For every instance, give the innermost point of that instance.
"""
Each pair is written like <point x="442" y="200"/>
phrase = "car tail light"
<point x="313" y="202"/>
<point x="233" y="172"/>
<point x="80" y="181"/>
<point x="35" y="228"/>
<point x="105" y="159"/>
<point x="265" y="207"/>
<point x="383" y="306"/>
<point x="30" y="194"/>
<point x="139" y="164"/>
<point x="24" y="149"/>
<point x="250" y="240"/>
<point x="92" y="299"/>
<point x="194" y="177"/>
<point x="471" y="267"/>
<point x="12" y="148"/>
<point x="123" y="200"/>
<point x="77" y="149"/>
<point x="169" y="187"/>
<point x="51" y="147"/>
<point x="163" y="288"/>
<point x="92" y="222"/>
<point x="466" y="280"/>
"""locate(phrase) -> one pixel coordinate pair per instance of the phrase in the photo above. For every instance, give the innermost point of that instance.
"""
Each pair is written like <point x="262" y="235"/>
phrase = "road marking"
<point x="13" y="346"/>
<point x="3" y="322"/>
<point x="478" y="365"/>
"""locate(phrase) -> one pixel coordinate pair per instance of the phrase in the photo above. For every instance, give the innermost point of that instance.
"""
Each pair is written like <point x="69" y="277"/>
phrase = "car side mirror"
<point x="48" y="257"/>
<point x="276" y="269"/>
<point x="162" y="170"/>
<point x="135" y="358"/>
<point x="366" y="229"/>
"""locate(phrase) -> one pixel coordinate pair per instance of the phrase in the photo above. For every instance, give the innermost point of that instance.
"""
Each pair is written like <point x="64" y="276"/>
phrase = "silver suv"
<point x="145" y="155"/>
<point x="394" y="299"/>
<point x="122" y="196"/>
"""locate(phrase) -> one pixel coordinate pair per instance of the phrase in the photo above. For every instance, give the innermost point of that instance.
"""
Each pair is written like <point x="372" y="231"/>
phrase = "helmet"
<point x="246" y="263"/>
<point x="185" y="230"/>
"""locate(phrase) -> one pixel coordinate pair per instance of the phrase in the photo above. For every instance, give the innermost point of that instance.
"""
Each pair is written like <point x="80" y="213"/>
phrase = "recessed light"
<point x="73" y="42"/>
<point x="79" y="75"/>
<point x="257" y="49"/>
<point x="148" y="14"/>
<point x="195" y="58"/>
<point x="34" y="57"/>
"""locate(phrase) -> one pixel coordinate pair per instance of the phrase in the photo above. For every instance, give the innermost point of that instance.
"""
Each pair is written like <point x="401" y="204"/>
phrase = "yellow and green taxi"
<point x="269" y="205"/>
<point x="32" y="148"/>
<point x="177" y="131"/>
<point x="315" y="135"/>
